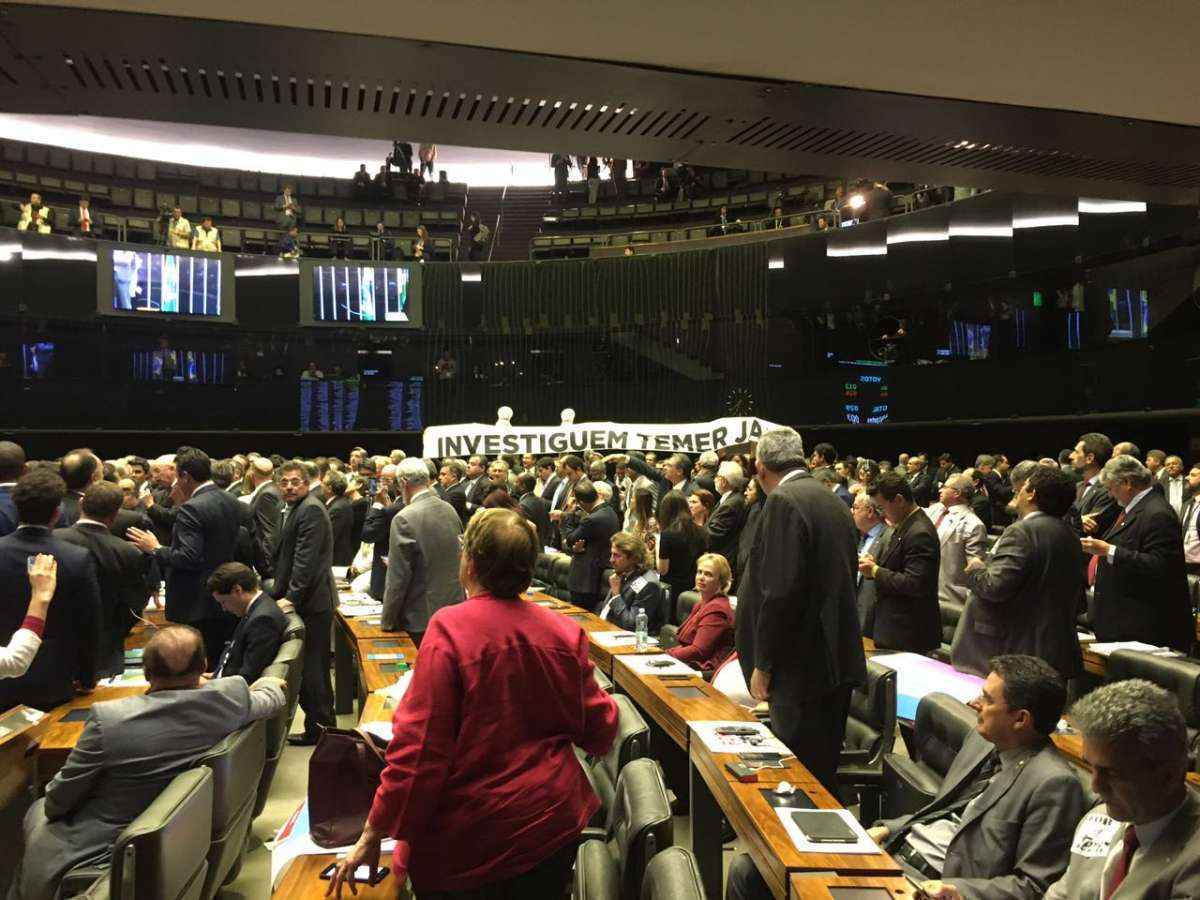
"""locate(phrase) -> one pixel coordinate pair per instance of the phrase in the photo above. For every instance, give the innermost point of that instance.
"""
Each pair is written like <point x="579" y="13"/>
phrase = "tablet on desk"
<point x="824" y="826"/>
<point x="687" y="692"/>
<point x="76" y="715"/>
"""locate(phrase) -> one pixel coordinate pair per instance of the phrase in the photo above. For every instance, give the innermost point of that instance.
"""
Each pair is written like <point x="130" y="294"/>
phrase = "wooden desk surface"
<point x="763" y="835"/>
<point x="58" y="737"/>
<point x="378" y="708"/>
<point x="816" y="886"/>
<point x="300" y="881"/>
<point x="378" y="673"/>
<point x="654" y="695"/>
<point x="361" y="629"/>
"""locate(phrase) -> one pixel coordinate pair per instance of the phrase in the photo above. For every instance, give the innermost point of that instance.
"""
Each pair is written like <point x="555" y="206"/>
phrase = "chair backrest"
<point x="561" y="571"/>
<point x="295" y="626"/>
<point x="237" y="765"/>
<point x="1180" y="676"/>
<point x="941" y="726"/>
<point x="672" y="875"/>
<point x="603" y="681"/>
<point x="640" y="822"/>
<point x="162" y="854"/>
<point x="684" y="604"/>
<point x="871" y="725"/>
<point x="632" y="742"/>
<point x="277" y="728"/>
<point x="950" y="612"/>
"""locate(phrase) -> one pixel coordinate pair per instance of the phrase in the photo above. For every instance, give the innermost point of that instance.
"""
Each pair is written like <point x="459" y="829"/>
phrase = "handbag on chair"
<point x="343" y="775"/>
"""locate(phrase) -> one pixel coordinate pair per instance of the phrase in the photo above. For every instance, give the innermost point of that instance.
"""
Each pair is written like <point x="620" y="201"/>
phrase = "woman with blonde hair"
<point x="705" y="638"/>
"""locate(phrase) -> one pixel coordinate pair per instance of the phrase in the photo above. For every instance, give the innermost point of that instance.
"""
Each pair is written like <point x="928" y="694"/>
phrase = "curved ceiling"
<point x="1111" y="57"/>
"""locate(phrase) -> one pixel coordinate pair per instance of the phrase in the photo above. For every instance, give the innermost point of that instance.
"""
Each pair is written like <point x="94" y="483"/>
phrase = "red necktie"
<point x="941" y="516"/>
<point x="1094" y="562"/>
<point x="1121" y="866"/>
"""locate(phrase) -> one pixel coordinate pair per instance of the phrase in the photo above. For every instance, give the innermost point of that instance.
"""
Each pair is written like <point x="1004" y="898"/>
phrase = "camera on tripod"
<point x="401" y="157"/>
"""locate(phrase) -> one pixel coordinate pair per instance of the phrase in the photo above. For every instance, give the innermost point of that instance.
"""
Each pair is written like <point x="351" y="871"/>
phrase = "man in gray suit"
<point x="961" y="534"/>
<point x="1026" y="598"/>
<point x="1143" y="841"/>
<point x="129" y="751"/>
<point x="1000" y="826"/>
<point x="423" y="553"/>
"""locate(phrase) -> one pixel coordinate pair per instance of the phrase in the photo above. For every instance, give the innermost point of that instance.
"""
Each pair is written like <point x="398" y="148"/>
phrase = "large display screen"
<point x="37" y="359"/>
<point x="181" y="366"/>
<point x="134" y="281"/>
<point x="360" y="294"/>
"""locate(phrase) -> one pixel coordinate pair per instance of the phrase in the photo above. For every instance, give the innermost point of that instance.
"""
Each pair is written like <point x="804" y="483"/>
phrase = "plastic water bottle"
<point x="641" y="626"/>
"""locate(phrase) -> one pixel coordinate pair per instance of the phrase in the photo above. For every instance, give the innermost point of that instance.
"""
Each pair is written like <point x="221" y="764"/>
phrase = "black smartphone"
<point x="737" y="730"/>
<point x="362" y="874"/>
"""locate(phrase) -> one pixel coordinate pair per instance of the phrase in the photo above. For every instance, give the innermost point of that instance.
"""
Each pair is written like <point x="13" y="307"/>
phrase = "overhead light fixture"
<point x="775" y="263"/>
<point x="472" y="276"/>
<point x="860" y="250"/>
<point x="281" y="268"/>
<point x="856" y="201"/>
<point x="983" y="231"/>
<point x="64" y="255"/>
<point x="917" y="237"/>
<point x="1047" y="221"/>
<point x="1088" y="205"/>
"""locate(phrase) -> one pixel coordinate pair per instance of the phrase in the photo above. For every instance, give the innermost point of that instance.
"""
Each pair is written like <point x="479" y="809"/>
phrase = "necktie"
<point x="941" y="516"/>
<point x="1129" y="847"/>
<point x="1094" y="562"/>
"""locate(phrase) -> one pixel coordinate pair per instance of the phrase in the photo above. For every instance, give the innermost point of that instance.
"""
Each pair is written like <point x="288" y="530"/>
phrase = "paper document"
<point x="293" y="840"/>
<point x="863" y="845"/>
<point x="614" y="638"/>
<point x="1104" y="649"/>
<point x="762" y="741"/>
<point x="397" y="691"/>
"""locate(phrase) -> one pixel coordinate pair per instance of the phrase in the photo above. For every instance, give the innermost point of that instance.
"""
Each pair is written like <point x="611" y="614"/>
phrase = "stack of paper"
<point x="1105" y="648"/>
<point x="761" y="741"/>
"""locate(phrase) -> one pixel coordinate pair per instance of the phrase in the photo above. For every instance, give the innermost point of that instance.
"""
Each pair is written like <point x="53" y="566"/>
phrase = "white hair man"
<point x="725" y="524"/>
<point x="423" y="554"/>
<point x="961" y="533"/>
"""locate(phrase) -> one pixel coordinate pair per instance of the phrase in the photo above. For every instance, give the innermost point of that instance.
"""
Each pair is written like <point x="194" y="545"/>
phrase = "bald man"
<point x="129" y="751"/>
<point x="266" y="510"/>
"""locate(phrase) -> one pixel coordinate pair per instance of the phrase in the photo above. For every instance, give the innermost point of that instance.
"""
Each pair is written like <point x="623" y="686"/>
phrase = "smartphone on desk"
<point x="362" y="874"/>
<point x="737" y="731"/>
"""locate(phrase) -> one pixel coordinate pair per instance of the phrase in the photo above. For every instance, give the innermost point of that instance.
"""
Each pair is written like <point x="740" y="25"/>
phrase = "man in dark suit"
<point x="12" y="467"/>
<point x="123" y="572"/>
<point x="724" y="525"/>
<point x="797" y="633"/>
<point x="1026" y="598"/>
<point x="873" y="533"/>
<point x="1138" y="568"/>
<point x="341" y="517"/>
<point x="205" y="535"/>
<point x="159" y="501"/>
<point x="260" y="627"/>
<point x="377" y="528"/>
<point x="303" y="577"/>
<point x="71" y="635"/>
<point x="823" y="457"/>
<point x="451" y="486"/>
<point x="587" y="529"/>
<point x="999" y="492"/>
<point x="534" y="508"/>
<point x="920" y="481"/>
<point x="80" y="468"/>
<point x="266" y="508"/>
<point x="571" y="471"/>
<point x="477" y="484"/>
<point x="1094" y="509"/>
<point x="905" y="572"/>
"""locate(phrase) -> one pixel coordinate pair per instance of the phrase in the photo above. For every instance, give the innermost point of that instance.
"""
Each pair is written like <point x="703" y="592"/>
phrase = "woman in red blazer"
<point x="706" y="636"/>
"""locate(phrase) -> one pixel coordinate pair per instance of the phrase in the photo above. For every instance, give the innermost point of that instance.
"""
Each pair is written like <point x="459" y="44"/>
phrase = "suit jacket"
<point x="921" y="485"/>
<point x="1143" y="596"/>
<point x="72" y="632"/>
<point x="8" y="511"/>
<point x="476" y="492"/>
<point x="129" y="751"/>
<point x="284" y="219"/>
<point x="960" y="536"/>
<point x="595" y="529"/>
<point x="550" y="488"/>
<point x="1093" y="500"/>
<point x="341" y="519"/>
<point x="1187" y="511"/>
<point x="266" y="512"/>
<point x="377" y="528"/>
<point x="205" y="536"/>
<point x="981" y="505"/>
<point x="255" y="640"/>
<point x="304" y="558"/>
<point x="843" y="493"/>
<point x="1025" y="601"/>
<point x="796" y="615"/>
<point x="1168" y="869"/>
<point x="69" y="509"/>
<point x="906" y="588"/>
<point x="866" y="586"/>
<point x="124" y="578"/>
<point x="130" y="518"/>
<point x="1014" y="839"/>
<point x="422" y="569"/>
<point x="75" y="222"/>
<point x="456" y="496"/>
<point x="537" y="511"/>
<point x="724" y="528"/>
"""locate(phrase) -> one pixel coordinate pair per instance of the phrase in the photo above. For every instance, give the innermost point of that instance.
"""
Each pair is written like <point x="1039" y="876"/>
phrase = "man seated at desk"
<point x="260" y="627"/>
<point x="633" y="585"/>
<point x="1000" y="826"/>
<point x="128" y="753"/>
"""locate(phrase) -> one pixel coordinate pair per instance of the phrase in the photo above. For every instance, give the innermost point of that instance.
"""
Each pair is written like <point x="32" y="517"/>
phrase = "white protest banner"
<point x="441" y="441"/>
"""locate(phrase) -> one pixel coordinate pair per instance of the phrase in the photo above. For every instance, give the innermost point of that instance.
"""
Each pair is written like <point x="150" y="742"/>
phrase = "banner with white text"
<point x="441" y="441"/>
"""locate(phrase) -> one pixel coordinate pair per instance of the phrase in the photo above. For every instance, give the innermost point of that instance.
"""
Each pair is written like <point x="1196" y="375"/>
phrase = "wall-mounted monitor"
<point x="37" y="359"/>
<point x="154" y="282"/>
<point x="355" y="293"/>
<point x="179" y="366"/>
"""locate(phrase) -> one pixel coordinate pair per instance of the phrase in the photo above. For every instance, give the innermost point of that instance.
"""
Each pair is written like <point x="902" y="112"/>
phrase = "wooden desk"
<point x="654" y="696"/>
<point x="816" y="886"/>
<point x="300" y="881"/>
<point x="58" y="737"/>
<point x="378" y="708"/>
<point x="19" y="734"/>
<point x="372" y="672"/>
<point x="1071" y="746"/>
<point x="714" y="793"/>
<point x="347" y="632"/>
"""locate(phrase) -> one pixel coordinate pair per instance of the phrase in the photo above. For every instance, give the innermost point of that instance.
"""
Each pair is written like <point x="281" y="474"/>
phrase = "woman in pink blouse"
<point x="706" y="636"/>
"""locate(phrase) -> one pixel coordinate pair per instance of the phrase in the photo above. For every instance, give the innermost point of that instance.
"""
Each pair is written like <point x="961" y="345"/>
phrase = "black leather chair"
<point x="950" y="612"/>
<point x="277" y="728"/>
<point x="639" y="826"/>
<point x="161" y="855"/>
<point x="941" y="726"/>
<point x="870" y="733"/>
<point x="560" y="571"/>
<point x="632" y="742"/>
<point x="672" y="875"/>
<point x="684" y="604"/>
<point x="1180" y="676"/>
<point x="237" y="765"/>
